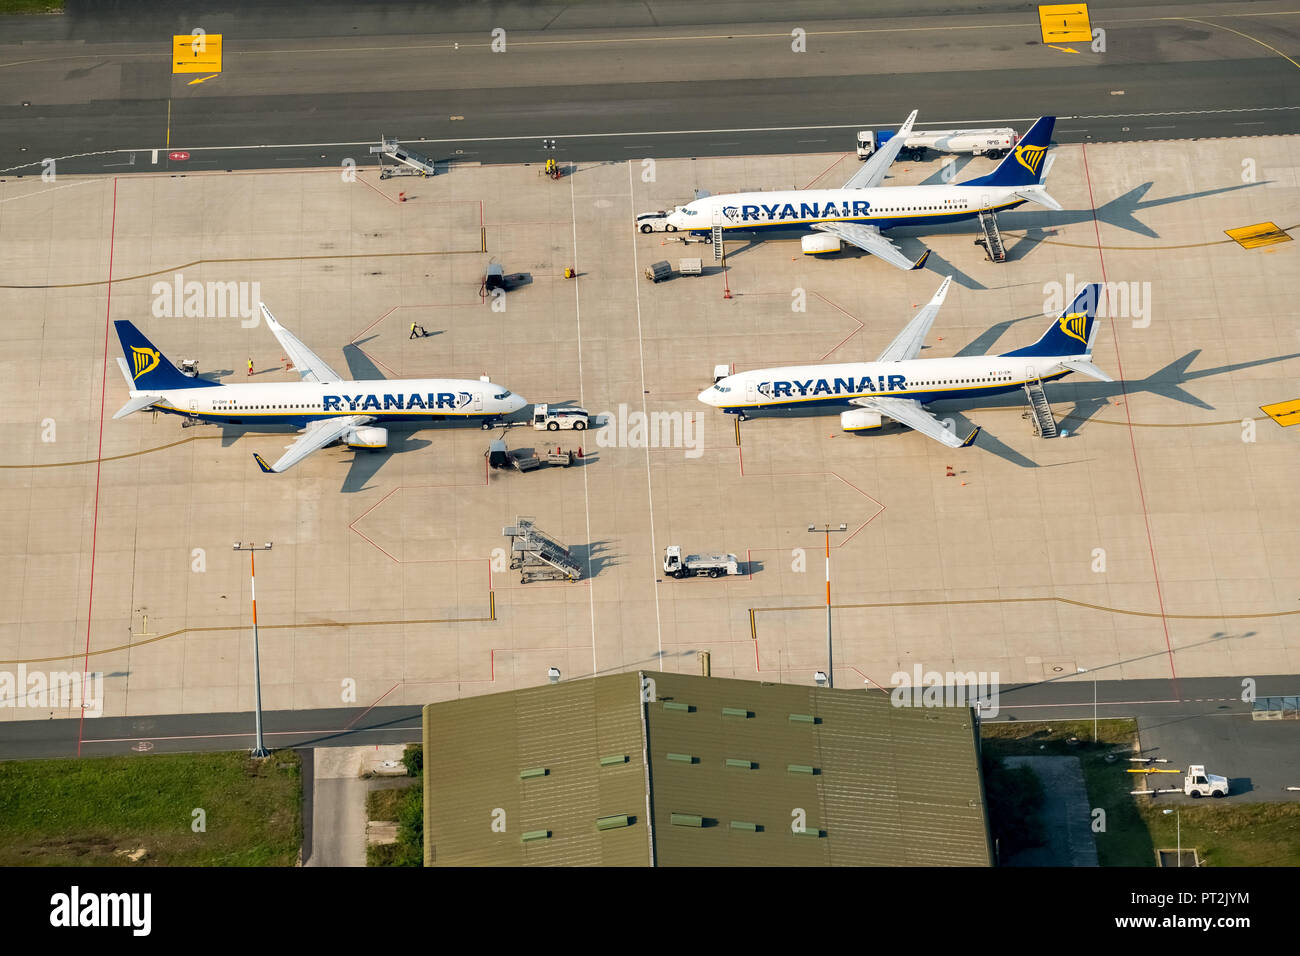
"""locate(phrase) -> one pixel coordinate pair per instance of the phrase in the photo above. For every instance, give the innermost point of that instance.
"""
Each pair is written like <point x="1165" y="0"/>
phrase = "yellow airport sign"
<point x="1065" y="23"/>
<point x="1260" y="234"/>
<point x="196" y="53"/>
<point x="1285" y="414"/>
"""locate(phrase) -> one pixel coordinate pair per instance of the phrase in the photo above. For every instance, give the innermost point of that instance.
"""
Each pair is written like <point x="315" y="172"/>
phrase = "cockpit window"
<point x="505" y="394"/>
<point x="723" y="388"/>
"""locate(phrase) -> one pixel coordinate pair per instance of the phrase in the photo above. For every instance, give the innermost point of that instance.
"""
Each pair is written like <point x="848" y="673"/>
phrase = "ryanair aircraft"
<point x="325" y="406"/>
<point x="859" y="212"/>
<point x="898" y="385"/>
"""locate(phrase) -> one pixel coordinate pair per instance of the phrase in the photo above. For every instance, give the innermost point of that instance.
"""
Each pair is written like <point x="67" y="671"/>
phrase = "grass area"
<point x="1126" y="840"/>
<point x="406" y="806"/>
<point x="94" y="811"/>
<point x="31" y="6"/>
<point x="1227" y="834"/>
<point x="385" y="804"/>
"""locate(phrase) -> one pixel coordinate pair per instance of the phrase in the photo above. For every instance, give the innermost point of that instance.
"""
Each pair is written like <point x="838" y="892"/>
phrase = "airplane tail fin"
<point x="1023" y="166"/>
<point x="148" y="368"/>
<point x="1073" y="331"/>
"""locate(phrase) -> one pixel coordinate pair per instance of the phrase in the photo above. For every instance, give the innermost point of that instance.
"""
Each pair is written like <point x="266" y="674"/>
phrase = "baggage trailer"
<point x="714" y="564"/>
<point x="658" y="271"/>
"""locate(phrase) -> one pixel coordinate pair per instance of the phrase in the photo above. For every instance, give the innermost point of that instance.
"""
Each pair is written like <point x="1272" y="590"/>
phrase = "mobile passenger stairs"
<point x="994" y="249"/>
<point x="413" y="163"/>
<point x="537" y="556"/>
<point x="1040" y="413"/>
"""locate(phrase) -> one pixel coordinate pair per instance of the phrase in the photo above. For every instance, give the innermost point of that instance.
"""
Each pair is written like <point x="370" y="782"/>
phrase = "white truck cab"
<point x="713" y="565"/>
<point x="546" y="418"/>
<point x="1198" y="783"/>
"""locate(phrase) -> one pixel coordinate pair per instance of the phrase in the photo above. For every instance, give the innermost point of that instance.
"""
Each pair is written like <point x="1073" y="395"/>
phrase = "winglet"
<point x="970" y="439"/>
<point x="920" y="263"/>
<point x="261" y="463"/>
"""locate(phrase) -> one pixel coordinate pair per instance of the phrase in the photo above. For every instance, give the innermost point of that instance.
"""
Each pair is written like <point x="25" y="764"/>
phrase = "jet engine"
<point x="820" y="244"/>
<point x="859" y="419"/>
<point x="369" y="436"/>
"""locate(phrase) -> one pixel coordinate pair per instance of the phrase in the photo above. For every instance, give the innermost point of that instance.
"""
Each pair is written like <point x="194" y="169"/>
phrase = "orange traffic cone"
<point x="951" y="473"/>
<point x="579" y="451"/>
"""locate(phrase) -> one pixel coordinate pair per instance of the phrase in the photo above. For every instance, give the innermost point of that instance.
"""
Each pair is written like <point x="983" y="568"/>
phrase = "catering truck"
<point x="993" y="143"/>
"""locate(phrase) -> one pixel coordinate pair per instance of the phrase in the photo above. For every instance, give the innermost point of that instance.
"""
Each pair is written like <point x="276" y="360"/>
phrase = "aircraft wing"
<point x="309" y="366"/>
<point x="869" y="239"/>
<point x="137" y="404"/>
<point x="911" y="413"/>
<point x="910" y="341"/>
<point x="873" y="170"/>
<point x="313" y="438"/>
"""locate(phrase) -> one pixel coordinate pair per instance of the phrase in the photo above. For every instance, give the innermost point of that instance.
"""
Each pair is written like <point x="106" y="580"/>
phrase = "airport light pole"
<point x="259" y="747"/>
<point x="1178" y="824"/>
<point x="830" y="660"/>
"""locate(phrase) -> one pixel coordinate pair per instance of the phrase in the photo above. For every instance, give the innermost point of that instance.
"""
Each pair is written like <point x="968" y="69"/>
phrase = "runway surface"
<point x="303" y="87"/>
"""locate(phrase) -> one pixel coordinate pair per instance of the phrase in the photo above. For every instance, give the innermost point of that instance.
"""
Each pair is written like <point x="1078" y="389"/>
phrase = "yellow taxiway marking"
<point x="201" y="79"/>
<point x="1260" y="234"/>
<point x="1065" y="23"/>
<point x="1245" y="36"/>
<point x="266" y="627"/>
<point x="196" y="54"/>
<point x="1285" y="414"/>
<point x="1063" y="49"/>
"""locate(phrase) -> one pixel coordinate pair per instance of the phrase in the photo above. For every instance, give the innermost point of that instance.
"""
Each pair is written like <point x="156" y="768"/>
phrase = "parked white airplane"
<point x="859" y="212"/>
<point x="324" y="405"/>
<point x="898" y="385"/>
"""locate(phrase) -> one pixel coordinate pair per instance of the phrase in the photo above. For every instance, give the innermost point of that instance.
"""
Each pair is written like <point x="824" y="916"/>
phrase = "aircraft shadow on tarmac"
<point x="1119" y="212"/>
<point x="1088" y="397"/>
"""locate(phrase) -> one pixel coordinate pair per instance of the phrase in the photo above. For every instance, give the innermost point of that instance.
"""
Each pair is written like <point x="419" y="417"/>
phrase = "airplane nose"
<point x="519" y="403"/>
<point x="709" y="396"/>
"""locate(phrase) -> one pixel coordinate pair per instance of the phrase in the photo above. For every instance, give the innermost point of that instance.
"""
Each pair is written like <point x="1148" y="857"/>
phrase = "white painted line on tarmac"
<point x="582" y="402"/>
<point x="640" y="350"/>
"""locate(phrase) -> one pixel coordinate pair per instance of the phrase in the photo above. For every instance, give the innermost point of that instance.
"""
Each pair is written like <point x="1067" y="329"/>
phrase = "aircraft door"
<point x="478" y="401"/>
<point x="751" y="393"/>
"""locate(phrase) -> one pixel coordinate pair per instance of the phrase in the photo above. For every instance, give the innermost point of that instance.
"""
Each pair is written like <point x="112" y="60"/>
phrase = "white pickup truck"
<point x="692" y="565"/>
<point x="993" y="143"/>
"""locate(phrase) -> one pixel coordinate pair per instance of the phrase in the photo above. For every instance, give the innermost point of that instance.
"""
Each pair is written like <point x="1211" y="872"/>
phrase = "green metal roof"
<point x="888" y="785"/>
<point x="740" y="773"/>
<point x="482" y="763"/>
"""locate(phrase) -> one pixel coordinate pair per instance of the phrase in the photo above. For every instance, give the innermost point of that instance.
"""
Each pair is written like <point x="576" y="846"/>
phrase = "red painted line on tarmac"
<point x="1137" y="467"/>
<point x="825" y="171"/>
<point x="349" y="724"/>
<point x="846" y="312"/>
<point x="99" y="465"/>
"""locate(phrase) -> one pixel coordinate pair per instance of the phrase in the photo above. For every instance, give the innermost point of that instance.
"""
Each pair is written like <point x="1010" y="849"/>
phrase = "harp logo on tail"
<point x="144" y="360"/>
<point x="1030" y="157"/>
<point x="1074" y="325"/>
